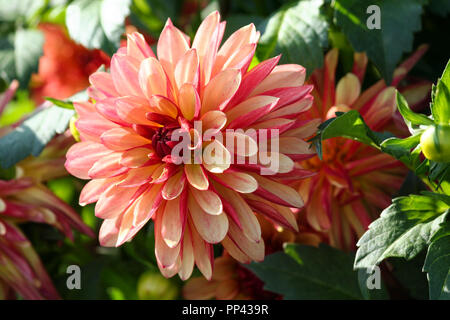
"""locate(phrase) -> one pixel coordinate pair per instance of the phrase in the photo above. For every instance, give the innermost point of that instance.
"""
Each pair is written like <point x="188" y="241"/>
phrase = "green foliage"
<point x="61" y="103"/>
<point x="410" y="275"/>
<point x="64" y="188"/>
<point x="437" y="264"/>
<point x="19" y="55"/>
<point x="297" y="31"/>
<point x="7" y="174"/>
<point x="12" y="11"/>
<point x="236" y="21"/>
<point x="97" y="23"/>
<point x="384" y="46"/>
<point x="305" y="272"/>
<point x="17" y="108"/>
<point x="411" y="118"/>
<point x="33" y="134"/>
<point x="403" y="230"/>
<point x="440" y="106"/>
<point x="348" y="125"/>
<point x="359" y="132"/>
<point x="20" y="44"/>
<point x="440" y="7"/>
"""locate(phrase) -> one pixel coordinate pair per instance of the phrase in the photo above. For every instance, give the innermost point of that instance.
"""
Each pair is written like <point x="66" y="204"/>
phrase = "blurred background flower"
<point x="355" y="181"/>
<point x="23" y="199"/>
<point x="65" y="67"/>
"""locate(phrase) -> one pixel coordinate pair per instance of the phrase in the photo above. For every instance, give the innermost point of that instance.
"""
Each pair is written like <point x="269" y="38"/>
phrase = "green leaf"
<point x="440" y="7"/>
<point x="145" y="15"/>
<point x="440" y="106"/>
<point x="97" y="24"/>
<point x="384" y="46"/>
<point x="298" y="31"/>
<point x="14" y="10"/>
<point x="35" y="132"/>
<point x="352" y="126"/>
<point x="17" y="108"/>
<point x="61" y="103"/>
<point x="7" y="174"/>
<point x="411" y="118"/>
<point x="403" y="230"/>
<point x="437" y="265"/>
<point x="438" y="196"/>
<point x="410" y="275"/>
<point x="236" y="21"/>
<point x="303" y="272"/>
<point x="349" y="125"/>
<point x="401" y="149"/>
<point x="20" y="53"/>
<point x="27" y="51"/>
<point x="64" y="188"/>
<point x="439" y="171"/>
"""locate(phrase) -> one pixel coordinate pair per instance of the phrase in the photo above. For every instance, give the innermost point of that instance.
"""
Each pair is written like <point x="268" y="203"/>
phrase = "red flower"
<point x="65" y="67"/>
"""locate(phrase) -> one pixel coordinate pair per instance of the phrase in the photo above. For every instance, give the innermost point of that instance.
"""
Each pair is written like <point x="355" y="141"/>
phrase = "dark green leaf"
<point x="440" y="7"/>
<point x="236" y="21"/>
<point x="297" y="31"/>
<point x="440" y="106"/>
<point x="304" y="272"/>
<point x="352" y="126"/>
<point x="27" y="51"/>
<point x="401" y="148"/>
<point x="410" y="275"/>
<point x="439" y="171"/>
<point x="384" y="46"/>
<point x="411" y="185"/>
<point x="7" y="174"/>
<point x="97" y="23"/>
<point x="35" y="132"/>
<point x="410" y="117"/>
<point x="403" y="230"/>
<point x="437" y="264"/>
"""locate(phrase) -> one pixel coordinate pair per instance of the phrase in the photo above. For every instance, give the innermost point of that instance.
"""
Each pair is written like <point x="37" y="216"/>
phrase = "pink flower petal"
<point x="212" y="228"/>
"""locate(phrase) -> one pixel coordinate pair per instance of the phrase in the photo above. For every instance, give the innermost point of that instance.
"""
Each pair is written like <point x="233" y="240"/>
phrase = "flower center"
<point x="161" y="141"/>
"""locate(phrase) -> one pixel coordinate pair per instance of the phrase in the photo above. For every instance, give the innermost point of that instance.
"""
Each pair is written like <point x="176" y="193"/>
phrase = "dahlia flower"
<point x="65" y="67"/>
<point x="129" y="147"/>
<point x="26" y="199"/>
<point x="354" y="181"/>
